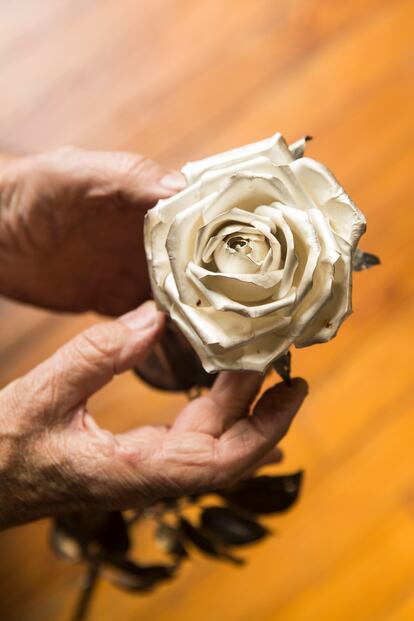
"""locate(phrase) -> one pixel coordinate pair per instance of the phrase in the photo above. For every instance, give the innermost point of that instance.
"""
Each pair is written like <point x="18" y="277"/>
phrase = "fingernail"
<point x="174" y="181"/>
<point x="141" y="318"/>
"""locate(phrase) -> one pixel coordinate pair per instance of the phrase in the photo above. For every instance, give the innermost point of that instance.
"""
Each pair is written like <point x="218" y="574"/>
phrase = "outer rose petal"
<point x="309" y="310"/>
<point x="250" y="191"/>
<point x="255" y="353"/>
<point x="348" y="224"/>
<point x="274" y="148"/>
<point x="221" y="302"/>
<point x="338" y="306"/>
<point x="180" y="243"/>
<point x="243" y="288"/>
<point x="320" y="184"/>
<point x="222" y="330"/>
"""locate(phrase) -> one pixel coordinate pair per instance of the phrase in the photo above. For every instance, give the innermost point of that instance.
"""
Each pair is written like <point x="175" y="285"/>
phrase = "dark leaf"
<point x="205" y="543"/>
<point x="169" y="539"/>
<point x="297" y="148"/>
<point x="168" y="504"/>
<point x="264" y="494"/>
<point x="231" y="527"/>
<point x="94" y="532"/>
<point x="282" y="366"/>
<point x="64" y="546"/>
<point x="114" y="536"/>
<point x="131" y="576"/>
<point x="364" y="260"/>
<point x="173" y="365"/>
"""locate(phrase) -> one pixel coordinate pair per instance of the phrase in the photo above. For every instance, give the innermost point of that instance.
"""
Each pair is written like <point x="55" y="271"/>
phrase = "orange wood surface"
<point x="180" y="79"/>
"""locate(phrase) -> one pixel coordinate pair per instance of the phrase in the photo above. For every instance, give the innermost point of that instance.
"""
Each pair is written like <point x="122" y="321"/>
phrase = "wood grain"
<point x="178" y="80"/>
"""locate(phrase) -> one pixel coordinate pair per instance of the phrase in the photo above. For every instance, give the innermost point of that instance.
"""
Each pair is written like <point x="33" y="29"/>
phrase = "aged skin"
<point x="53" y="455"/>
<point x="69" y="226"/>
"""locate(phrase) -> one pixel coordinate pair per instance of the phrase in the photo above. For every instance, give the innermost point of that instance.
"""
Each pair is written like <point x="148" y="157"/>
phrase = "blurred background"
<point x="181" y="79"/>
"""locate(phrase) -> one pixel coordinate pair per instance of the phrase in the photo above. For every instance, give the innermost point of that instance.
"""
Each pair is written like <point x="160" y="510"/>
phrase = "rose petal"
<point x="338" y="306"/>
<point x="307" y="247"/>
<point x="218" y="238"/>
<point x="180" y="244"/>
<point x="247" y="192"/>
<point x="323" y="278"/>
<point x="233" y="216"/>
<point x="345" y="218"/>
<point x="217" y="178"/>
<point x="273" y="148"/>
<point x="274" y="213"/>
<point x="239" y="287"/>
<point x="156" y="226"/>
<point x="222" y="302"/>
<point x="225" y="329"/>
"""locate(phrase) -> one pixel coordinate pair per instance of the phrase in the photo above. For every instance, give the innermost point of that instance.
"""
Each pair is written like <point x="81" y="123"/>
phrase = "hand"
<point x="71" y="228"/>
<point x="55" y="458"/>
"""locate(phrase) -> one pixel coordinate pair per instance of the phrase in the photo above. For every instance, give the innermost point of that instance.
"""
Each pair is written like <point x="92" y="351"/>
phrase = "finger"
<point x="248" y="440"/>
<point x="274" y="456"/>
<point x="229" y="399"/>
<point x="91" y="359"/>
<point x="129" y="174"/>
<point x="148" y="181"/>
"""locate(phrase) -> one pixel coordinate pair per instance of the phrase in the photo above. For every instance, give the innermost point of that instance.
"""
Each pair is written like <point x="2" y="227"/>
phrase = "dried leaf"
<point x="282" y="366"/>
<point x="205" y="543"/>
<point x="169" y="539"/>
<point x="95" y="532"/>
<point x="173" y="365"/>
<point x="132" y="576"/>
<point x="64" y="546"/>
<point x="231" y="527"/>
<point x="297" y="148"/>
<point x="264" y="494"/>
<point x="364" y="260"/>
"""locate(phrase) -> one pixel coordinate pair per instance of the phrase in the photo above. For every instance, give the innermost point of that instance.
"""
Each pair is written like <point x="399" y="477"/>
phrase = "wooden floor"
<point x="179" y="79"/>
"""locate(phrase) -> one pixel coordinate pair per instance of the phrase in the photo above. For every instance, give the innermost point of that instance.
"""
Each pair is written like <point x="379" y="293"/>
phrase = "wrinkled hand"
<point x="55" y="458"/>
<point x="71" y="228"/>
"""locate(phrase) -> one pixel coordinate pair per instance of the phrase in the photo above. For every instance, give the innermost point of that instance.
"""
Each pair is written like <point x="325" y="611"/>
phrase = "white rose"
<point x="255" y="254"/>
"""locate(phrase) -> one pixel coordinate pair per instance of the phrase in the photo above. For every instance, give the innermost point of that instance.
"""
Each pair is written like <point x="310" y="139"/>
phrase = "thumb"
<point x="155" y="181"/>
<point x="91" y="359"/>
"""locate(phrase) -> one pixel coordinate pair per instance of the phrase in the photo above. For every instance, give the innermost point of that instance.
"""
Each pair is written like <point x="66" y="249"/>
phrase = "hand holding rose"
<point x="70" y="228"/>
<point x="69" y="239"/>
<point x="55" y="458"/>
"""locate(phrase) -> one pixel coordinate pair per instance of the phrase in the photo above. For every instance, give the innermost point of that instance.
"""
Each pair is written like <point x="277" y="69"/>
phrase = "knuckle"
<point x="142" y="170"/>
<point x="97" y="346"/>
<point x="130" y="165"/>
<point x="138" y="164"/>
<point x="99" y="341"/>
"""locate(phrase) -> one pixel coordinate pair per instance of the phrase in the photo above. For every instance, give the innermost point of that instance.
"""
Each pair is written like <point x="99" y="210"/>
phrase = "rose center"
<point x="239" y="244"/>
<point x="241" y="254"/>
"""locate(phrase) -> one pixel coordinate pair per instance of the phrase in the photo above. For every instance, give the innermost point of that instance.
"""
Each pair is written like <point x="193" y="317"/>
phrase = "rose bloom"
<point x="255" y="254"/>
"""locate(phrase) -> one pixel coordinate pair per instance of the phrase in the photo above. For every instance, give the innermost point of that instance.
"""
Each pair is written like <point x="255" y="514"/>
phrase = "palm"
<point x="213" y="441"/>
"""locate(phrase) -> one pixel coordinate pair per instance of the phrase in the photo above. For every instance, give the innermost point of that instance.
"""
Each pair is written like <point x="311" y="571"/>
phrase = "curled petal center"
<point x="241" y="254"/>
